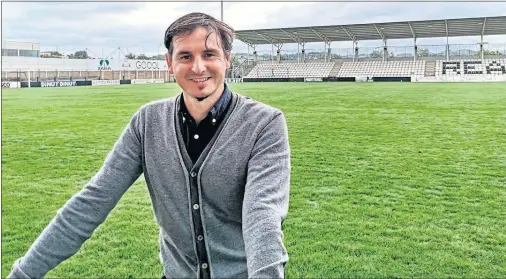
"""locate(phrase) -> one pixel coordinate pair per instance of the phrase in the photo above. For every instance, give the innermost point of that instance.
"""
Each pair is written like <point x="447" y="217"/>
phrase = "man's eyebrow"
<point x="181" y="52"/>
<point x="211" y="50"/>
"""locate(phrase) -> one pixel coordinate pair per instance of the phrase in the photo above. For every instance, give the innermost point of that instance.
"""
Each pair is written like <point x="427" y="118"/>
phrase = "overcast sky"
<point x="139" y="27"/>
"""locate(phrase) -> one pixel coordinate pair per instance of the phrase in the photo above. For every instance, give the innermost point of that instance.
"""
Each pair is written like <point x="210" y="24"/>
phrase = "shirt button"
<point x="196" y="137"/>
<point x="193" y="174"/>
<point x="199" y="238"/>
<point x="195" y="206"/>
<point x="204" y="266"/>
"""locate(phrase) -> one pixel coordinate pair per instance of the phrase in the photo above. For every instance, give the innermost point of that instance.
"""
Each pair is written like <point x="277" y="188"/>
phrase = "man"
<point x="216" y="164"/>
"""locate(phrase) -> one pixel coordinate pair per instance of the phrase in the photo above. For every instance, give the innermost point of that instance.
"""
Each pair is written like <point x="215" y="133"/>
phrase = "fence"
<point x="456" y="51"/>
<point x="56" y="75"/>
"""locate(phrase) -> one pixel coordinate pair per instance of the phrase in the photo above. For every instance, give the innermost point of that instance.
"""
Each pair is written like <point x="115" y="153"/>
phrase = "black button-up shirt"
<point x="196" y="137"/>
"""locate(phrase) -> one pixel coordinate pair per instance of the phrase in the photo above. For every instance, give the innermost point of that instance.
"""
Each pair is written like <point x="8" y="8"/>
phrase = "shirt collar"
<point x="218" y="108"/>
<point x="220" y="105"/>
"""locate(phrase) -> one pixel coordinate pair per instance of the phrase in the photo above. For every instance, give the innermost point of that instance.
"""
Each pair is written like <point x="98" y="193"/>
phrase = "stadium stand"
<point x="291" y="70"/>
<point x="382" y="68"/>
<point x="420" y="68"/>
<point x="436" y="63"/>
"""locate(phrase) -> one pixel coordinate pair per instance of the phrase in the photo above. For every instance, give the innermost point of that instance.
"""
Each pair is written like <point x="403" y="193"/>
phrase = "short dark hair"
<point x="188" y="23"/>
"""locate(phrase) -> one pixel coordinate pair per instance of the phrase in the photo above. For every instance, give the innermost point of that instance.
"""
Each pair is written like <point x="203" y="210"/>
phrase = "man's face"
<point x="198" y="63"/>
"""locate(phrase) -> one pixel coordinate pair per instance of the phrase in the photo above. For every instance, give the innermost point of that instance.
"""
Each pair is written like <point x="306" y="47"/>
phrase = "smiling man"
<point x="216" y="164"/>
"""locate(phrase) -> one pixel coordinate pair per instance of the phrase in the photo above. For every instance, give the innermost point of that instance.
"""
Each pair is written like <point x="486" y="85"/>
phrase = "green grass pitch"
<point x="388" y="179"/>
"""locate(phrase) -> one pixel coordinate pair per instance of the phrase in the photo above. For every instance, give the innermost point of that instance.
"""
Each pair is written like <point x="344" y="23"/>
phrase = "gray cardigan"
<point x="243" y="181"/>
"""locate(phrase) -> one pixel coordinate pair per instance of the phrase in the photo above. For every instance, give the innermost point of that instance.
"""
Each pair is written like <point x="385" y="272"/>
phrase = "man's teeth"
<point x="201" y="79"/>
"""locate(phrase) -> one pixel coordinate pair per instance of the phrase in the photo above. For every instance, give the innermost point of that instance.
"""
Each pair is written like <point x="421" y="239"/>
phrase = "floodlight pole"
<point x="221" y="10"/>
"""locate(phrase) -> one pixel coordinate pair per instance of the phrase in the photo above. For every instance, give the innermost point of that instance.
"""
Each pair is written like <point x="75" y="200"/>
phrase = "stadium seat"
<point x="291" y="70"/>
<point x="382" y="68"/>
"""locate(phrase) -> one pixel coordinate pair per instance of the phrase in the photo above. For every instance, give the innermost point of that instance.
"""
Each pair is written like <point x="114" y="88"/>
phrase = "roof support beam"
<point x="482" y="52"/>
<point x="352" y="37"/>
<point x="412" y="30"/>
<point x="295" y="38"/>
<point x="269" y="39"/>
<point x="446" y="26"/>
<point x="447" y="47"/>
<point x="246" y="41"/>
<point x="379" y="32"/>
<point x="320" y="35"/>
<point x="483" y="29"/>
<point x="250" y="45"/>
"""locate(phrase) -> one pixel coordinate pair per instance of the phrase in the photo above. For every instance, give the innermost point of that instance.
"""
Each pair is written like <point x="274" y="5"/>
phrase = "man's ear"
<point x="169" y="63"/>
<point x="228" y="55"/>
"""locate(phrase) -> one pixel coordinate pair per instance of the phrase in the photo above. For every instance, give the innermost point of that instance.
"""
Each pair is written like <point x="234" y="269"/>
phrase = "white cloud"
<point x="139" y="27"/>
<point x="152" y="14"/>
<point x="253" y="15"/>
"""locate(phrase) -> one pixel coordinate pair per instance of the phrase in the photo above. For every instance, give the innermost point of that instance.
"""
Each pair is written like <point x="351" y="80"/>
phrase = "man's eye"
<point x="185" y="57"/>
<point x="208" y="54"/>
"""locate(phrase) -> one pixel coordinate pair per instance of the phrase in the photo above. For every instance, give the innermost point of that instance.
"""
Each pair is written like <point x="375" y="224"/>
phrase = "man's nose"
<point x="198" y="66"/>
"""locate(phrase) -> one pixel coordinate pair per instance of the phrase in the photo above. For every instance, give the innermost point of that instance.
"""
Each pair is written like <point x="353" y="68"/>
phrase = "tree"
<point x="284" y="57"/>
<point x="490" y="52"/>
<point x="376" y="54"/>
<point x="130" y="56"/>
<point x="157" y="57"/>
<point x="81" y="54"/>
<point x="142" y="57"/>
<point x="422" y="52"/>
<point x="234" y="59"/>
<point x="53" y="54"/>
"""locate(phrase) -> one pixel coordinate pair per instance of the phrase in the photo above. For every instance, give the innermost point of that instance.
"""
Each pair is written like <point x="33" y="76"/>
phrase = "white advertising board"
<point x="64" y="83"/>
<point x="10" y="84"/>
<point x="312" y="79"/>
<point x="146" y="81"/>
<point x="104" y="82"/>
<point x="460" y="78"/>
<point x="12" y="63"/>
<point x="233" y="80"/>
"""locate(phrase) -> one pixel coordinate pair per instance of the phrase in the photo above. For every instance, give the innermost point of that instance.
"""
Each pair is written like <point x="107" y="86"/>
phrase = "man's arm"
<point x="75" y="222"/>
<point x="265" y="204"/>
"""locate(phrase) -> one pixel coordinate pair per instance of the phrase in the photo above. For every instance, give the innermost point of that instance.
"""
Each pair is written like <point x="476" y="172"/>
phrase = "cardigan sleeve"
<point x="76" y="221"/>
<point x="265" y="204"/>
